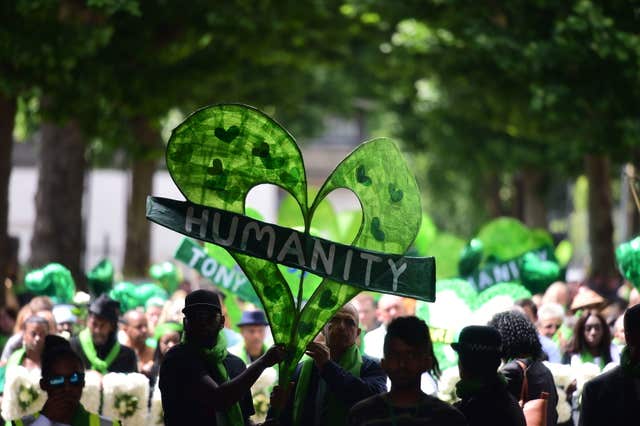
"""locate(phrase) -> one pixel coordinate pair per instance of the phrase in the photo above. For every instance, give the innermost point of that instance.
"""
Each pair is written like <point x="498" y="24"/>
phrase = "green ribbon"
<point x="100" y="365"/>
<point x="337" y="411"/>
<point x="586" y="356"/>
<point x="628" y="367"/>
<point x="214" y="358"/>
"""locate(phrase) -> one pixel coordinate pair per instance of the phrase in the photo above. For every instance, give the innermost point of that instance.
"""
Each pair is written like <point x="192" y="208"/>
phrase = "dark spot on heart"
<point x="272" y="163"/>
<point x="216" y="167"/>
<point x="305" y="328"/>
<point x="395" y="193"/>
<point x="260" y="150"/>
<point x="327" y="300"/>
<point x="361" y="176"/>
<point x="182" y="153"/>
<point x="290" y="178"/>
<point x="227" y="135"/>
<point x="378" y="234"/>
<point x="272" y="292"/>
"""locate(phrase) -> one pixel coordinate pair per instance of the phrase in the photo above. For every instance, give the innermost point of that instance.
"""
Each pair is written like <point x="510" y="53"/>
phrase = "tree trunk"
<point x="534" y="211"/>
<point x="58" y="234"/>
<point x="8" y="107"/>
<point x="492" y="196"/>
<point x="604" y="275"/>
<point x="137" y="249"/>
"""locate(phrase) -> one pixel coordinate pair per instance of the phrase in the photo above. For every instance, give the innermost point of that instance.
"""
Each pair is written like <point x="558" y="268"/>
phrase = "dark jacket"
<point x="125" y="362"/>
<point x="341" y="383"/>
<point x="491" y="405"/>
<point x="539" y="380"/>
<point x="610" y="399"/>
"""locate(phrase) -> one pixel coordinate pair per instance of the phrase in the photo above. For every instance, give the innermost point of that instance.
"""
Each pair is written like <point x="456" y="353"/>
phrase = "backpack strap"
<point x="525" y="385"/>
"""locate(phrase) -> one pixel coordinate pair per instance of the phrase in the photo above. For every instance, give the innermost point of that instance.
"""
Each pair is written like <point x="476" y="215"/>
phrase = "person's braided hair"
<point x="519" y="335"/>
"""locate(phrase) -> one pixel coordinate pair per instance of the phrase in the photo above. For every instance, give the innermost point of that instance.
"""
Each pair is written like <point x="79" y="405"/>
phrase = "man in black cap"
<point x="483" y="391"/>
<point x="201" y="383"/>
<point x="98" y="345"/>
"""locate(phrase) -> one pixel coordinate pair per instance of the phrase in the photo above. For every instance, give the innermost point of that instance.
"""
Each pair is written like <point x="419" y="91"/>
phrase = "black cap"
<point x="106" y="307"/>
<point x="201" y="299"/>
<point x="478" y="339"/>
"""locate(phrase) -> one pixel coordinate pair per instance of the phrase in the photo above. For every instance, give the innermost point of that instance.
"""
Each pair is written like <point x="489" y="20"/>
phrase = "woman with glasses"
<point x="62" y="380"/>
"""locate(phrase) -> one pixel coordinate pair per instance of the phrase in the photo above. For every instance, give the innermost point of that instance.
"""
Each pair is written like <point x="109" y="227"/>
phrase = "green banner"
<point x="508" y="271"/>
<point x="373" y="271"/>
<point x="231" y="279"/>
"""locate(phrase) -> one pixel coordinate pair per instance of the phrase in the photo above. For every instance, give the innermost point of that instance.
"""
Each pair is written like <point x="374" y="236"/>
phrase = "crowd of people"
<point x="372" y="364"/>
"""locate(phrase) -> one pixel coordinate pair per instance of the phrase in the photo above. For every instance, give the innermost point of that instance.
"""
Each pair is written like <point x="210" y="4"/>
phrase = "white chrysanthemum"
<point x="449" y="311"/>
<point x="496" y="304"/>
<point x="90" y="399"/>
<point x="156" y="415"/>
<point x="22" y="393"/>
<point x="81" y="298"/>
<point x="562" y="373"/>
<point x="563" y="408"/>
<point x="584" y="372"/>
<point x="447" y="385"/>
<point x="115" y="386"/>
<point x="265" y="382"/>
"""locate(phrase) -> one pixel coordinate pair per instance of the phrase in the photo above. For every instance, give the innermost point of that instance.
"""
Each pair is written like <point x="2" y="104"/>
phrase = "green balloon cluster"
<point x="537" y="274"/>
<point x="132" y="296"/>
<point x="54" y="280"/>
<point x="628" y="257"/>
<point x="470" y="257"/>
<point x="100" y="278"/>
<point x="166" y="274"/>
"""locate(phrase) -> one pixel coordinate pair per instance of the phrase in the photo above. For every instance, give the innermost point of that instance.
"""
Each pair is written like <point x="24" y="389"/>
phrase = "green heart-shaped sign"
<point x="219" y="153"/>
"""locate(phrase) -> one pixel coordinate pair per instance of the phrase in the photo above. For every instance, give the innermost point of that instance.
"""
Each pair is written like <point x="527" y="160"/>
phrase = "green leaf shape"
<point x="242" y="129"/>
<point x="506" y="238"/>
<point x="400" y="222"/>
<point x="446" y="248"/>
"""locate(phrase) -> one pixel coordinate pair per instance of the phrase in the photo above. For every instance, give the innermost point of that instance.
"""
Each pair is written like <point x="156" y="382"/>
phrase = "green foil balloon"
<point x="470" y="257"/>
<point x="100" y="278"/>
<point x="537" y="274"/>
<point x="132" y="296"/>
<point x="506" y="238"/>
<point x="628" y="258"/>
<point x="54" y="280"/>
<point x="166" y="274"/>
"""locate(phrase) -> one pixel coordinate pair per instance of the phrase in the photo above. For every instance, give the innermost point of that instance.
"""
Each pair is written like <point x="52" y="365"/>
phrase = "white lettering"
<point x="215" y="231"/>
<point x="224" y="276"/>
<point x="370" y="258"/>
<point x="241" y="279"/>
<point x="288" y="248"/>
<point x="484" y="281"/>
<point x="198" y="254"/>
<point x="260" y="233"/>
<point x="327" y="261"/>
<point x="347" y="266"/>
<point x="501" y="273"/>
<point x="515" y="271"/>
<point x="396" y="272"/>
<point x="201" y="222"/>
<point x="209" y="267"/>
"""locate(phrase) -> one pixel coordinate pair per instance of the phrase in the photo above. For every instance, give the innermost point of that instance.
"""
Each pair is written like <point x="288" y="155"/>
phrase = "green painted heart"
<point x="393" y="219"/>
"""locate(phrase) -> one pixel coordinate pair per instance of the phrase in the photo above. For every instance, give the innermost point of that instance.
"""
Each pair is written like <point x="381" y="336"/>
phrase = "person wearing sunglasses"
<point x="62" y="380"/>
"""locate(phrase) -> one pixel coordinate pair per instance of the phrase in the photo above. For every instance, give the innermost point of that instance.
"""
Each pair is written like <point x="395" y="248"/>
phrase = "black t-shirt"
<point x="126" y="361"/>
<point x="181" y="368"/>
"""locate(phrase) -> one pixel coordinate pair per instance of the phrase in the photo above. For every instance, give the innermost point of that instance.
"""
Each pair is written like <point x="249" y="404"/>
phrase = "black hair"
<point x="55" y="349"/>
<point x="527" y="303"/>
<point x="577" y="344"/>
<point x="519" y="335"/>
<point x="415" y="333"/>
<point x="632" y="320"/>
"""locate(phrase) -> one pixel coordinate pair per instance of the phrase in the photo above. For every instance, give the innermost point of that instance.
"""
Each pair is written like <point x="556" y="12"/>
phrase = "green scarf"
<point x="100" y="365"/>
<point x="586" y="356"/>
<point x="337" y="412"/>
<point x="628" y="368"/>
<point x="214" y="358"/>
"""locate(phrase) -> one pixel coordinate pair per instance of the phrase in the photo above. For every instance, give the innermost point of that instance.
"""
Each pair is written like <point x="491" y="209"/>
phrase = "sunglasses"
<point x="59" y="381"/>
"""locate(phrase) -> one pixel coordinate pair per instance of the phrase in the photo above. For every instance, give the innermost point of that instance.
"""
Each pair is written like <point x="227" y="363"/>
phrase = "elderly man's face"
<point x="100" y="329"/>
<point x="342" y="330"/>
<point x="548" y="327"/>
<point x="34" y="334"/>
<point x="389" y="308"/>
<point x="137" y="329"/>
<point x="253" y="336"/>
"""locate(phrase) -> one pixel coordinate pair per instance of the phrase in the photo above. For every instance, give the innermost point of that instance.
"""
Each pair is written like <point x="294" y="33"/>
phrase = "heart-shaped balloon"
<point x="628" y="258"/>
<point x="219" y="153"/>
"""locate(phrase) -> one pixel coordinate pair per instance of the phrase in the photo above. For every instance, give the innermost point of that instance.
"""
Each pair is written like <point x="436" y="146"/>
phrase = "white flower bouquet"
<point x="125" y="398"/>
<point x="156" y="415"/>
<point x="447" y="385"/>
<point x="22" y="393"/>
<point x="260" y="391"/>
<point x="563" y="408"/>
<point x="562" y="373"/>
<point x="90" y="399"/>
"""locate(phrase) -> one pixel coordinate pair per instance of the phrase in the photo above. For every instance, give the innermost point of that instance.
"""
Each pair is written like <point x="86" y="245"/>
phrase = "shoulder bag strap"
<point x="525" y="386"/>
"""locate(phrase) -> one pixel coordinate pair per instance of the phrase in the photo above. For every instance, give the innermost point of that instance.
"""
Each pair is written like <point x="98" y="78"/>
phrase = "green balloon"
<point x="628" y="258"/>
<point x="537" y="274"/>
<point x="54" y="280"/>
<point x="166" y="274"/>
<point x="132" y="296"/>
<point x="506" y="238"/>
<point x="470" y="258"/>
<point x="100" y="278"/>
